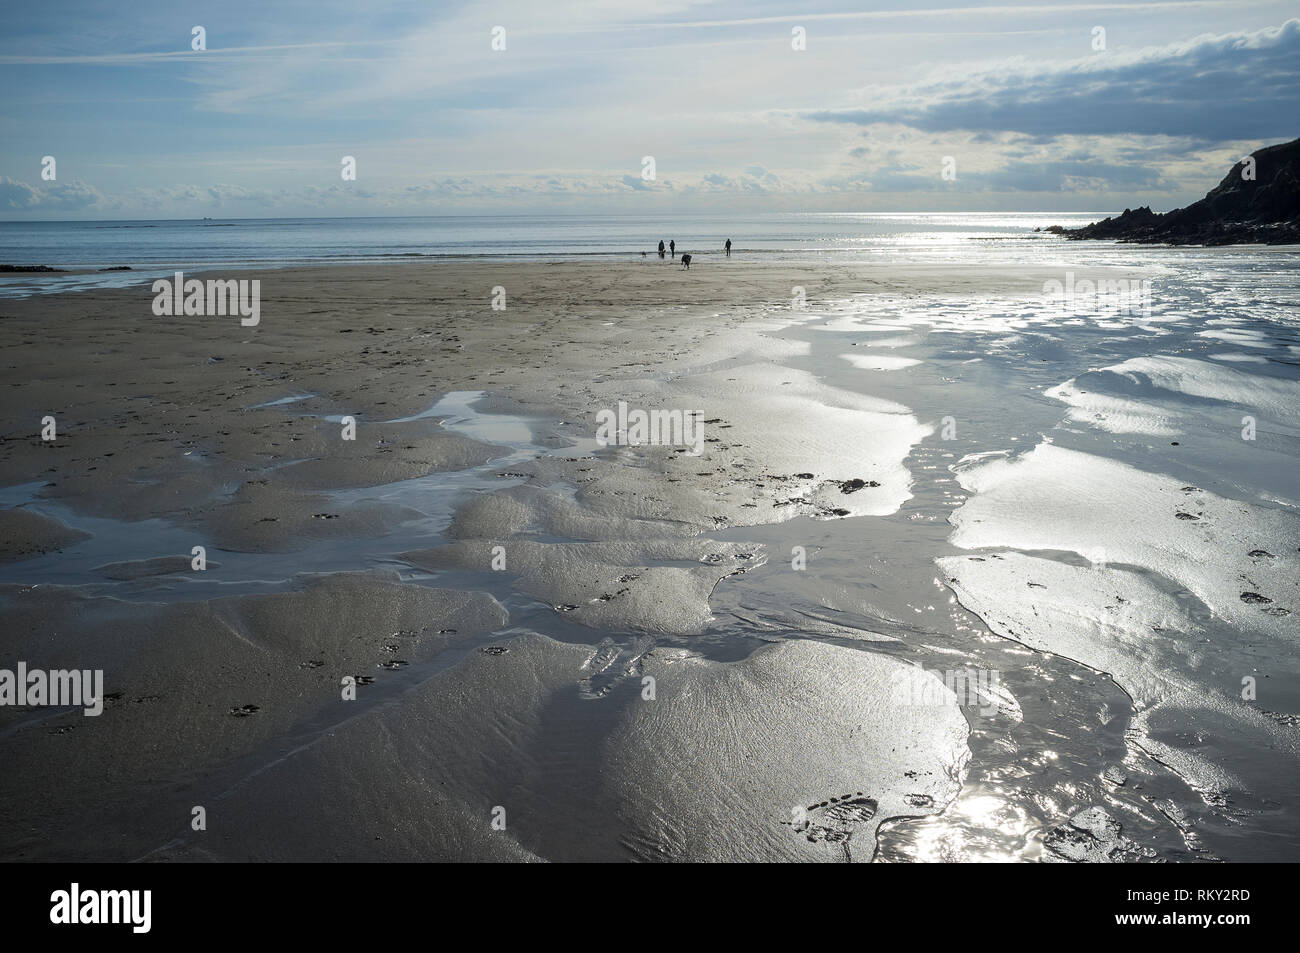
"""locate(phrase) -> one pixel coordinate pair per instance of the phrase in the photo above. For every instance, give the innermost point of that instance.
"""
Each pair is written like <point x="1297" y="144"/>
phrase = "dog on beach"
<point x="686" y="261"/>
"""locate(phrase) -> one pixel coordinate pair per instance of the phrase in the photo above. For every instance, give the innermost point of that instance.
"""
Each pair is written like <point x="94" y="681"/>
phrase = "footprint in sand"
<point x="605" y="673"/>
<point x="836" y="820"/>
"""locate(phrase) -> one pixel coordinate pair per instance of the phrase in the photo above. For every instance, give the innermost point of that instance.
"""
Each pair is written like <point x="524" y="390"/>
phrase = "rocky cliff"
<point x="1240" y="209"/>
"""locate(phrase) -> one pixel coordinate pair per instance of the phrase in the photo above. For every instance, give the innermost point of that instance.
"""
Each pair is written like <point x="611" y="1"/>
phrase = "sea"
<point x="159" y="248"/>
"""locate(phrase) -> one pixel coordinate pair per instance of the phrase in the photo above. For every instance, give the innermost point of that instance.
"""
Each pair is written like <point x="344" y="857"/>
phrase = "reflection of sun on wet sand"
<point x="577" y="633"/>
<point x="185" y="423"/>
<point x="787" y="755"/>
<point x="1165" y="602"/>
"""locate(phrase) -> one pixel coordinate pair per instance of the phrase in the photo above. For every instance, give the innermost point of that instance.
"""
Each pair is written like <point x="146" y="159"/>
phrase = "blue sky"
<point x="1032" y="115"/>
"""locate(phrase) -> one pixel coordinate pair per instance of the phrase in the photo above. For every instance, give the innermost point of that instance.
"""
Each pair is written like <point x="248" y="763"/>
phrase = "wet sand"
<point x="502" y="588"/>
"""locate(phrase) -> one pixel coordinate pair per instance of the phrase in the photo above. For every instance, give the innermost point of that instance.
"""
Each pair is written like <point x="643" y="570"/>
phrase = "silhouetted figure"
<point x="661" y="248"/>
<point x="728" y="247"/>
<point x="686" y="260"/>
<point x="672" y="247"/>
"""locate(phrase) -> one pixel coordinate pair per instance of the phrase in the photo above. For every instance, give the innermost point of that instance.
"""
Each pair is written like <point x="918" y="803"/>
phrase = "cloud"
<point x="17" y="194"/>
<point x="1242" y="85"/>
<point x="754" y="179"/>
<point x="887" y="171"/>
<point x="54" y="196"/>
<point x="1071" y="175"/>
<point x="936" y="13"/>
<point x="135" y="59"/>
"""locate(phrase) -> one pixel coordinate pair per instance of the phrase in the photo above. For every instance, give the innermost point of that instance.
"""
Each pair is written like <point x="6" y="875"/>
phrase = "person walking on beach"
<point x="728" y="247"/>
<point x="661" y="248"/>
<point x="672" y="247"/>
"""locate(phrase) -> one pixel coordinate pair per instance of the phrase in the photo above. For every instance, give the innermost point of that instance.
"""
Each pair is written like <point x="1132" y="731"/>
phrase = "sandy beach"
<point x="566" y="651"/>
<point x="701" y="433"/>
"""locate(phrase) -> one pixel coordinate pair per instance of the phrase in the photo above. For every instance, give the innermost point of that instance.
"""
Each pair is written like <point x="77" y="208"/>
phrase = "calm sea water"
<point x="157" y="248"/>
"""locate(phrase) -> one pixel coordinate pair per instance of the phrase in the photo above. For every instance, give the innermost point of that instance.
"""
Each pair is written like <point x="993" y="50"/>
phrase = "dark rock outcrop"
<point x="1239" y="210"/>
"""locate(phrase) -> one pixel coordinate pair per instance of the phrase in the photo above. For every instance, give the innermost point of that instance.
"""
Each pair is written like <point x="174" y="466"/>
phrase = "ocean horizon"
<point x="155" y="248"/>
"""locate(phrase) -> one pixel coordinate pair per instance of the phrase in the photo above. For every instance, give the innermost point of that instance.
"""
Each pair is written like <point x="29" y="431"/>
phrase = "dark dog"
<point x="686" y="260"/>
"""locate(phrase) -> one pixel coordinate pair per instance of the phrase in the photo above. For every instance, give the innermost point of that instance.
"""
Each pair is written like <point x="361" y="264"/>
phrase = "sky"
<point x="508" y="107"/>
